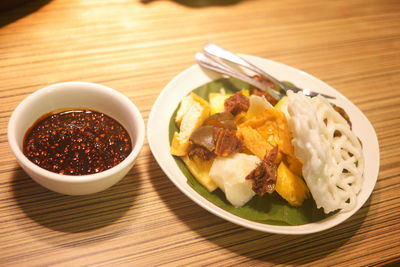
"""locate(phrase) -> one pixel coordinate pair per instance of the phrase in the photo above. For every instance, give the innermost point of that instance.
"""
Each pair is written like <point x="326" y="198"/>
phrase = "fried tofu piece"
<point x="200" y="170"/>
<point x="191" y="114"/>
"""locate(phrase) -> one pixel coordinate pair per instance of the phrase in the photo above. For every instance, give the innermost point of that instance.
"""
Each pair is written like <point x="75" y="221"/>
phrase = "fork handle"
<point x="218" y="51"/>
<point x="221" y="52"/>
<point x="208" y="62"/>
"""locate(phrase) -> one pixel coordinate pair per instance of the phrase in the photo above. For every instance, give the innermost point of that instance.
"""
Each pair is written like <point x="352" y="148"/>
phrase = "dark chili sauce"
<point x="76" y="142"/>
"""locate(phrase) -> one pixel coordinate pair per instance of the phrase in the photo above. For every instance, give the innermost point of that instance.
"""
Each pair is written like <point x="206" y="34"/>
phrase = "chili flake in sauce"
<point x="77" y="142"/>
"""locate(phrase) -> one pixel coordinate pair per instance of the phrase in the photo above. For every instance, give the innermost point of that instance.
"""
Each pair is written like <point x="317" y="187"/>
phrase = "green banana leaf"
<point x="268" y="209"/>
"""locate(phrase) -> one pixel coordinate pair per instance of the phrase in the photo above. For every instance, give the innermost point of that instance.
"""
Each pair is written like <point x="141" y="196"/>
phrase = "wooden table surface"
<point x="137" y="47"/>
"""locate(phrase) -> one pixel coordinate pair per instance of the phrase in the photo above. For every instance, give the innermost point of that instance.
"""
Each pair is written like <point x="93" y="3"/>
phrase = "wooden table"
<point x="137" y="47"/>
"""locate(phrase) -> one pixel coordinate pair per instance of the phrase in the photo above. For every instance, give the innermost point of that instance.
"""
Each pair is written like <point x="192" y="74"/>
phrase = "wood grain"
<point x="136" y="47"/>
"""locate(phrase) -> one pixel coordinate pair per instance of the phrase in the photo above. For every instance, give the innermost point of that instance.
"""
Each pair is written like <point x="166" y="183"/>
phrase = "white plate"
<point x="193" y="77"/>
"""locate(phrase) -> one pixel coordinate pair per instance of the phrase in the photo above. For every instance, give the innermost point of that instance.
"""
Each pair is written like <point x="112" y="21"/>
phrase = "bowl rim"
<point x="41" y="93"/>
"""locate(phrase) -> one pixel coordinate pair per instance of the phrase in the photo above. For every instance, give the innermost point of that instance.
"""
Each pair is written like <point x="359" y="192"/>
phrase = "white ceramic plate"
<point x="193" y="77"/>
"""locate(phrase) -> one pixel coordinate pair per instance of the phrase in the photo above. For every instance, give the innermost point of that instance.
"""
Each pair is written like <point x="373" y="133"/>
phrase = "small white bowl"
<point x="72" y="95"/>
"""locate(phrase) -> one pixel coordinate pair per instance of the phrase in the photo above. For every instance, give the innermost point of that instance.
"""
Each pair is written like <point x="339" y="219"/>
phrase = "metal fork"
<point x="220" y="52"/>
<point x="215" y="64"/>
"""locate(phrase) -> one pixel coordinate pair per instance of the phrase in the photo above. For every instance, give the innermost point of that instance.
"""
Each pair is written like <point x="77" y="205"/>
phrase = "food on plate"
<point x="76" y="142"/>
<point x="191" y="114"/>
<point x="217" y="100"/>
<point x="253" y="141"/>
<point x="201" y="170"/>
<point x="290" y="186"/>
<point x="257" y="105"/>
<point x="254" y="152"/>
<point x="230" y="172"/>
<point x="330" y="152"/>
<point x="272" y="125"/>
<point x="263" y="176"/>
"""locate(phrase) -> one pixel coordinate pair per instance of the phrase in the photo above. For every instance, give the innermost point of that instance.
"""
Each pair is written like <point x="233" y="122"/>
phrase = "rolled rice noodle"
<point x="332" y="166"/>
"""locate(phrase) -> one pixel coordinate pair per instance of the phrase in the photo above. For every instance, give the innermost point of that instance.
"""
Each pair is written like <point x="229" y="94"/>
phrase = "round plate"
<point x="193" y="77"/>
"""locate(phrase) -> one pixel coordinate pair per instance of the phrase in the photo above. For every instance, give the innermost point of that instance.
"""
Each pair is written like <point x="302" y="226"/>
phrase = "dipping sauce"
<point x="76" y="142"/>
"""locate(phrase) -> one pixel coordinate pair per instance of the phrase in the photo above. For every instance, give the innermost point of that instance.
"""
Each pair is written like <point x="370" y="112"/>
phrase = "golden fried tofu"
<point x="200" y="170"/>
<point x="191" y="114"/>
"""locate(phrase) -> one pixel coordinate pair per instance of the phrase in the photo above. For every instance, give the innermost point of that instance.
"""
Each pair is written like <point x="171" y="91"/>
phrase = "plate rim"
<point x="209" y="206"/>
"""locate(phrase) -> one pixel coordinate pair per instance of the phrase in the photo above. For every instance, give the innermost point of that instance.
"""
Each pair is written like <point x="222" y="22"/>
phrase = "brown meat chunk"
<point x="226" y="142"/>
<point x="265" y="81"/>
<point x="264" y="175"/>
<point x="236" y="104"/>
<point x="260" y="92"/>
<point x="221" y="120"/>
<point x="200" y="152"/>
<point x="204" y="136"/>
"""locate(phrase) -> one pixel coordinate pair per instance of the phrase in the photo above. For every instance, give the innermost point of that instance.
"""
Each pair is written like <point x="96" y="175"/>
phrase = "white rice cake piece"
<point x="229" y="174"/>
